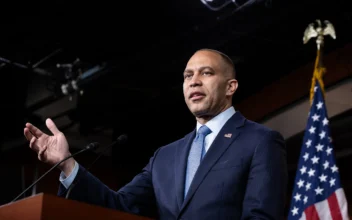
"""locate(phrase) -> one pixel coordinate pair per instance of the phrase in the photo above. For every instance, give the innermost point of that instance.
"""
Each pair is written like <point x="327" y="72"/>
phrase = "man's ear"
<point x="232" y="87"/>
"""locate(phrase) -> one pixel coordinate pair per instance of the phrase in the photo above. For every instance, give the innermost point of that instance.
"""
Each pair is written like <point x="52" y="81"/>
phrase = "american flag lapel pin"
<point x="228" y="135"/>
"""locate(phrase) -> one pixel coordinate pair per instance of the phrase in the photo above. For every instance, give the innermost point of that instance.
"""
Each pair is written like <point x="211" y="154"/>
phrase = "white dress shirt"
<point x="215" y="125"/>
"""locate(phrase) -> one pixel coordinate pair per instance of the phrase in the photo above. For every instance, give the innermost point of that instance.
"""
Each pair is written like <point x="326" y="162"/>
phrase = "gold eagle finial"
<point x="318" y="31"/>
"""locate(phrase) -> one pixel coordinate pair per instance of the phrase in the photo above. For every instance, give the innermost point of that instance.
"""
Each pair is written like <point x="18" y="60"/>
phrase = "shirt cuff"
<point x="67" y="181"/>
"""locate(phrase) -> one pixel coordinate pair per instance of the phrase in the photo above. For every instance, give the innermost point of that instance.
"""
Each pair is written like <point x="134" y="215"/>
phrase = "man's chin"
<point x="200" y="113"/>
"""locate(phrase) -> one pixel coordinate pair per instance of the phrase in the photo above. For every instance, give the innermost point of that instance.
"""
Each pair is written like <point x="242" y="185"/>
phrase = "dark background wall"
<point x="140" y="93"/>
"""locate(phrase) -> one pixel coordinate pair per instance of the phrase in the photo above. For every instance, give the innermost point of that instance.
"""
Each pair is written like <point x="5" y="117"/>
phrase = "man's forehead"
<point x="209" y="58"/>
<point x="204" y="57"/>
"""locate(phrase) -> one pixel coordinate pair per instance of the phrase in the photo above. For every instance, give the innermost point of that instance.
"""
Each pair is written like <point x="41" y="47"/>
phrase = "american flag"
<point x="317" y="192"/>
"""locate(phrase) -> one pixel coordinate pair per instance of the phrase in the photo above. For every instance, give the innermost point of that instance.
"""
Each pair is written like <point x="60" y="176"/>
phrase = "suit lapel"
<point x="180" y="166"/>
<point x="223" y="140"/>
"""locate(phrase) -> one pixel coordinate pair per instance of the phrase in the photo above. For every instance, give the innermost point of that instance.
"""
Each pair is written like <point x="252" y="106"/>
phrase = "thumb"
<point x="52" y="127"/>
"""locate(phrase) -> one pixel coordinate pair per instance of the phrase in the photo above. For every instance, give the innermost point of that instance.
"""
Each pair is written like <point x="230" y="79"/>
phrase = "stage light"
<point x="216" y="5"/>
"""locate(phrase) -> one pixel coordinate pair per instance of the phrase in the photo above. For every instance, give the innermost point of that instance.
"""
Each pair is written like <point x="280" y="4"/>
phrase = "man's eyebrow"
<point x="206" y="67"/>
<point x="201" y="68"/>
<point x="187" y="71"/>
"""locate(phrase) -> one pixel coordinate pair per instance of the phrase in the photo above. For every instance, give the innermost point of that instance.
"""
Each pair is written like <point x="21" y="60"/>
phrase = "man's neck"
<point x="205" y="118"/>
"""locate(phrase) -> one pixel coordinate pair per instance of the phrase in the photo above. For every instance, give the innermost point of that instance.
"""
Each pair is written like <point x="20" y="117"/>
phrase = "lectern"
<point x="45" y="206"/>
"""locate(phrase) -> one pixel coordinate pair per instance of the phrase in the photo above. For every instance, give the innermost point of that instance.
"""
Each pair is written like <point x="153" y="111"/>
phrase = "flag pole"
<point x="317" y="30"/>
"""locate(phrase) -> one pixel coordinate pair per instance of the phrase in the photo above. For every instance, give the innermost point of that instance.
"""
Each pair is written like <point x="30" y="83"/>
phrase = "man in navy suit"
<point x="228" y="167"/>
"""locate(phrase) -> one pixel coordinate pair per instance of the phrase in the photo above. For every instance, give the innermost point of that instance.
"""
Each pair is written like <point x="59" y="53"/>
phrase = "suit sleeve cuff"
<point x="67" y="181"/>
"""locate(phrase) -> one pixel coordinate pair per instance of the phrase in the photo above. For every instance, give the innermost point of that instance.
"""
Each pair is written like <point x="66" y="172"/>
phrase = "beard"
<point x="201" y="110"/>
<point x="201" y="113"/>
<point x="206" y="108"/>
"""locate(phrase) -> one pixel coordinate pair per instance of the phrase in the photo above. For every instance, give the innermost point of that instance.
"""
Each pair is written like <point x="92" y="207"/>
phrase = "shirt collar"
<point x="216" y="123"/>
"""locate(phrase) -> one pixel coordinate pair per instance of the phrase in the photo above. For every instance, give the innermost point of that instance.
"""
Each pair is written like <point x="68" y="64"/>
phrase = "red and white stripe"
<point x="333" y="208"/>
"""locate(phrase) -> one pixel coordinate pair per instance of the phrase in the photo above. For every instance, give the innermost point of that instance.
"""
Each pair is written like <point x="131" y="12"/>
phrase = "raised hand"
<point x="50" y="148"/>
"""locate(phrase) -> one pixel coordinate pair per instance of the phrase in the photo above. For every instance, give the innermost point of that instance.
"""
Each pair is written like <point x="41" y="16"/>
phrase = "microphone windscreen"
<point x="93" y="146"/>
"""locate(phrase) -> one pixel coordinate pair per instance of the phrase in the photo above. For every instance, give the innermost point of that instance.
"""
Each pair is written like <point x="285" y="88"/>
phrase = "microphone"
<point x="90" y="146"/>
<point x="120" y="140"/>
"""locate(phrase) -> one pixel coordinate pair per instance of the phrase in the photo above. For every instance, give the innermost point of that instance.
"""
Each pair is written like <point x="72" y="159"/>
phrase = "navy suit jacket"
<point x="242" y="176"/>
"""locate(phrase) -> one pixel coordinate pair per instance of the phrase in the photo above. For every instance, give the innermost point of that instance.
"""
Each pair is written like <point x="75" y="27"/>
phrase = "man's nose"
<point x="195" y="81"/>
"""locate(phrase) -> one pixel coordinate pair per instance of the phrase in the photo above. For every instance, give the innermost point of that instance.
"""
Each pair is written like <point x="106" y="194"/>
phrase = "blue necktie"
<point x="195" y="155"/>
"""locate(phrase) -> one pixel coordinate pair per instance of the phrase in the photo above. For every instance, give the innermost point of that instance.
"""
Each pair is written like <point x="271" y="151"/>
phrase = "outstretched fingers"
<point x="34" y="130"/>
<point x="52" y="127"/>
<point x="27" y="134"/>
<point x="33" y="145"/>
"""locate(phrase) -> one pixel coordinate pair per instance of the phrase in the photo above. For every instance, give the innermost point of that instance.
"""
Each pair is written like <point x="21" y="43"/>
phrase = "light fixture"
<point x="216" y="5"/>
